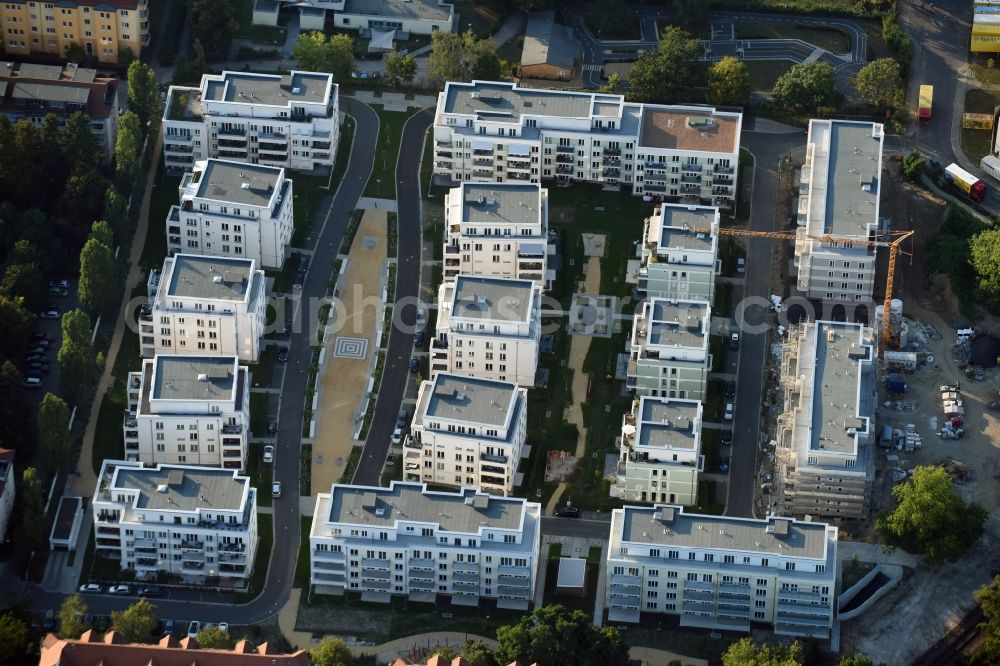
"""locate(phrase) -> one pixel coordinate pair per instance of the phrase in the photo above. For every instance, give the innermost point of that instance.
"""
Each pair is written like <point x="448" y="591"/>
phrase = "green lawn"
<point x="583" y="602"/>
<point x="263" y="370"/>
<point x="480" y="20"/>
<point x="628" y="29"/>
<point x="308" y="190"/>
<point x="343" y="153"/>
<point x="258" y="34"/>
<point x="260" y="474"/>
<point x="265" y="530"/>
<point x="382" y="183"/>
<point x="302" y="564"/>
<point x="711" y="448"/>
<point x="729" y="251"/>
<point x="976" y="143"/>
<point x="833" y="40"/>
<point x="164" y="196"/>
<point x="764" y="73"/>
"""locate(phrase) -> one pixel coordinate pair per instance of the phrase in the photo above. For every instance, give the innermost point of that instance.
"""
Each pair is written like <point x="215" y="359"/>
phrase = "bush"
<point x="897" y="40"/>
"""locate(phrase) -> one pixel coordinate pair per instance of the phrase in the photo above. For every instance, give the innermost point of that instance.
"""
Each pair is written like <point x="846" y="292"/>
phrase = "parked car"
<point x="32" y="382"/>
<point x="49" y="623"/>
<point x="50" y="313"/>
<point x="727" y="437"/>
<point x="418" y="339"/>
<point x="730" y="390"/>
<point x="397" y="435"/>
<point x="61" y="282"/>
<point x="276" y="489"/>
<point x="734" y="341"/>
<point x="58" y="291"/>
<point x="151" y="591"/>
<point x="224" y="626"/>
<point x="120" y="589"/>
<point x="272" y="428"/>
<point x="728" y="414"/>
<point x="724" y="465"/>
<point x="39" y="365"/>
<point x="91" y="588"/>
<point x="414" y="365"/>
<point x="41" y="335"/>
<point x="42" y="344"/>
<point x="269" y="454"/>
<point x="568" y="512"/>
<point x="741" y="265"/>
<point x="303" y="264"/>
<point x="403" y="418"/>
<point x="194" y="628"/>
<point x="282" y="354"/>
<point x="288" y="327"/>
<point x="168" y="627"/>
<point x="36" y="356"/>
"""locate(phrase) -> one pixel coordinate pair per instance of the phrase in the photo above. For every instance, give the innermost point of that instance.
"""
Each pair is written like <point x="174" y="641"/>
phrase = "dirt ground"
<point x="933" y="599"/>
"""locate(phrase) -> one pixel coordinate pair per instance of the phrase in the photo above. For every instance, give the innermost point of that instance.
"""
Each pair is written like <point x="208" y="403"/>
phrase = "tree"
<point x="856" y="659"/>
<point x="213" y="638"/>
<point x="400" y="68"/>
<point x="53" y="432"/>
<point x="71" y="616"/>
<point x="101" y="232"/>
<point x="612" y="18"/>
<point x="478" y="654"/>
<point x="985" y="260"/>
<point x="17" y="323"/>
<point x="32" y="503"/>
<point x="80" y="145"/>
<point x="75" y="53"/>
<point x="16" y="431"/>
<point x="128" y="150"/>
<point x="22" y="280"/>
<point x="880" y="82"/>
<point x="331" y="652"/>
<point x="136" y="622"/>
<point x="116" y="212"/>
<point x="744" y="653"/>
<point x="805" y="88"/>
<point x="462" y="57"/>
<point x="988" y="598"/>
<point x="728" y="82"/>
<point x="13" y="639"/>
<point x="446" y="652"/>
<point x="613" y="85"/>
<point x="554" y="635"/>
<point x="214" y="23"/>
<point x="663" y="73"/>
<point x="80" y="203"/>
<point x="691" y="12"/>
<point x="913" y="163"/>
<point x="98" y="287"/>
<point x="315" y="53"/>
<point x="125" y="56"/>
<point x="77" y="366"/>
<point x="143" y="96"/>
<point x="190" y="70"/>
<point x="931" y="517"/>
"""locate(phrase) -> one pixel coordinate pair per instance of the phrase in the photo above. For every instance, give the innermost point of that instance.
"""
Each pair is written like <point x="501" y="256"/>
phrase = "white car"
<point x="194" y="628"/>
<point x="223" y="626"/>
<point x="269" y="454"/>
<point x="91" y="588"/>
<point x="741" y="265"/>
<point x="276" y="489"/>
<point x="728" y="414"/>
<point x="119" y="589"/>
<point x="397" y="435"/>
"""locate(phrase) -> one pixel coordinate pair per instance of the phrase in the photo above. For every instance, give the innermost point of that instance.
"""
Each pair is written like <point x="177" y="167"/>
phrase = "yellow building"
<point x="100" y="27"/>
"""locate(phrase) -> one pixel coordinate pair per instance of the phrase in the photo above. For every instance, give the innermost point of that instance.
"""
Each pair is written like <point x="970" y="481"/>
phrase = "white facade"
<point x="488" y="328"/>
<point x="420" y="17"/>
<point x="231" y="209"/>
<point x="680" y="253"/>
<point x="717" y="572"/>
<point x="825" y="460"/>
<point x="497" y="230"/>
<point x="839" y="196"/>
<point x="206" y="306"/>
<point x="188" y="410"/>
<point x="467" y="432"/>
<point x="198" y="523"/>
<point x="407" y="540"/>
<point x="670" y="354"/>
<point x="498" y="132"/>
<point x="7" y="490"/>
<point x="290" y="120"/>
<point x="660" y="454"/>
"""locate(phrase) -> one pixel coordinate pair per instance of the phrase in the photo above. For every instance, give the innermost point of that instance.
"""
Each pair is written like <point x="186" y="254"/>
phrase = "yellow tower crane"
<point x="896" y="240"/>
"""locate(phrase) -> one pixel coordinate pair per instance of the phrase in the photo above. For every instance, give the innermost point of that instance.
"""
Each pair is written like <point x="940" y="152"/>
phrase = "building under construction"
<point x="824" y="459"/>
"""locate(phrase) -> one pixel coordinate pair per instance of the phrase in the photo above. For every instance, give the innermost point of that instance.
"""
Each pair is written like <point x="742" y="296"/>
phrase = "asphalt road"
<point x="400" y="346"/>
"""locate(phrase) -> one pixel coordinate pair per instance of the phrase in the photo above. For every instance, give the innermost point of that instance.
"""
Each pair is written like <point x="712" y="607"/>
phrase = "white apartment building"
<point x="825" y="460"/>
<point x="232" y="209"/>
<point x="680" y="253"/>
<point x="284" y="120"/>
<point x="407" y="540"/>
<point x="497" y="132"/>
<point x="188" y="410"/>
<point x="7" y="490"/>
<point x="419" y="17"/>
<point x="497" y="230"/>
<point x="488" y="328"/>
<point x="839" y="196"/>
<point x="669" y="355"/>
<point x="204" y="306"/>
<point x="660" y="455"/>
<point x="467" y="432"/>
<point x="199" y="523"/>
<point x="722" y="573"/>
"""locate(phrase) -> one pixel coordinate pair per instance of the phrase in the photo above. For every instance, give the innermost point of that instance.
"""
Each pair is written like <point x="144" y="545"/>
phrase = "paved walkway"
<point x="872" y="552"/>
<point x="356" y="320"/>
<point x="578" y="347"/>
<point x="394" y="101"/>
<point x="83" y="484"/>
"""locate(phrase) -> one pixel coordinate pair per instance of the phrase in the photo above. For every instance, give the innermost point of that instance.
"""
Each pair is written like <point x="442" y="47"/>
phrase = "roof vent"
<point x="217" y="279"/>
<point x="245" y="186"/>
<point x="202" y="377"/>
<point x="162" y="488"/>
<point x="296" y="91"/>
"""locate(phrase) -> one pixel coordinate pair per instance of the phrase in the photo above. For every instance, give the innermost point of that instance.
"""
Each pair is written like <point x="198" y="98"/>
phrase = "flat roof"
<point x="66" y="514"/>
<point x="218" y="278"/>
<point x="667" y="423"/>
<point x="194" y="378"/>
<point x="497" y="299"/>
<point x="846" y="174"/>
<point x="501" y="203"/>
<point x="675" y="323"/>
<point x="238" y="182"/>
<point x="182" y="488"/>
<point x="686" y="227"/>
<point x="51" y="92"/>
<point x="572" y="572"/>
<point x="694" y="129"/>
<point x="836" y="383"/>
<point x="671" y="526"/>
<point x="426" y="10"/>
<point x="270" y="89"/>
<point x="504" y="98"/>
<point x="548" y="42"/>
<point x="472" y="400"/>
<point x="465" y="511"/>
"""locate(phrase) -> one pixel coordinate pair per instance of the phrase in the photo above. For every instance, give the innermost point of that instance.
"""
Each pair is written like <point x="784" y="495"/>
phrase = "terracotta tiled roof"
<point x="92" y="650"/>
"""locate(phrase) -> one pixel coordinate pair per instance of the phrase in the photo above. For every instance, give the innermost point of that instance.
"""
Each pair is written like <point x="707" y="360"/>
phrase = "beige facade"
<point x="100" y="27"/>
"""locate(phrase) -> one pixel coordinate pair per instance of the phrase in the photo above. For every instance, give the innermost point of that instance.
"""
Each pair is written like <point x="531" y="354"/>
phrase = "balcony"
<point x="483" y="151"/>
<point x="564" y="169"/>
<point x="444" y="153"/>
<point x="611" y="172"/>
<point x="655" y="188"/>
<point x="565" y="159"/>
<point x="232" y="429"/>
<point x="691" y="178"/>
<point x="422" y="585"/>
<point x="232" y="153"/>
<point x="692" y="168"/>
<point x="565" y="149"/>
<point x="375" y="563"/>
<point x="719" y="168"/>
<point x="613" y="152"/>
<point x="376" y="585"/>
<point x="192" y="545"/>
<point x="490" y="457"/>
<point x="193" y="566"/>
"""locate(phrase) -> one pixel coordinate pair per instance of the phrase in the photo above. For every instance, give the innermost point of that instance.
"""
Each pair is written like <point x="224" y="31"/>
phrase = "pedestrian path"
<point x="366" y="203"/>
